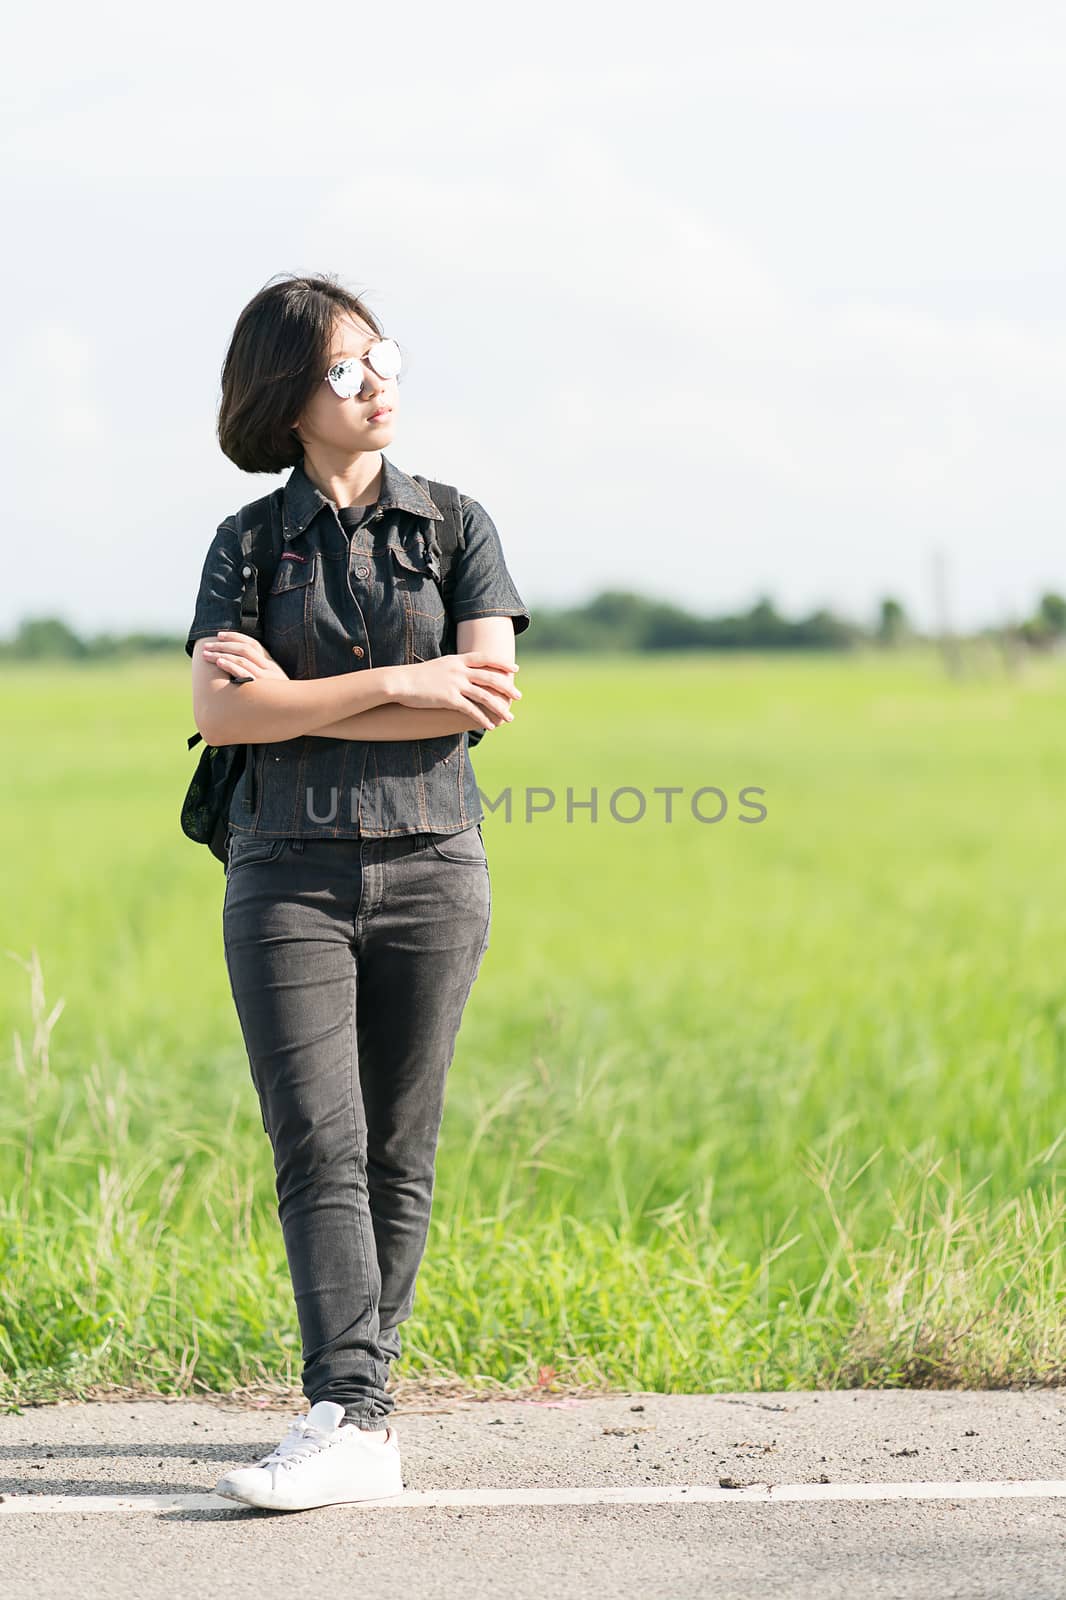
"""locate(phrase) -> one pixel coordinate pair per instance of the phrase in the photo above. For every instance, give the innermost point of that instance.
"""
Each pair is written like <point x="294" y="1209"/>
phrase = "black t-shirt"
<point x="353" y="517"/>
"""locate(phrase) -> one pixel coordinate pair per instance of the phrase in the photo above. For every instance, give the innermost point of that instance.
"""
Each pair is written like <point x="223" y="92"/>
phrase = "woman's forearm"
<point x="397" y="722"/>
<point x="270" y="709"/>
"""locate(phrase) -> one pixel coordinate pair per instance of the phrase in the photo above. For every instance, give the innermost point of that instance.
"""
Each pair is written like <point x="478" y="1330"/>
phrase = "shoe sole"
<point x="340" y="1500"/>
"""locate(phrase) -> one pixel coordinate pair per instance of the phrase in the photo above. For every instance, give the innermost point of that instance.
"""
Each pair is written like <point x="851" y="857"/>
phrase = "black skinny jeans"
<point x="350" y="962"/>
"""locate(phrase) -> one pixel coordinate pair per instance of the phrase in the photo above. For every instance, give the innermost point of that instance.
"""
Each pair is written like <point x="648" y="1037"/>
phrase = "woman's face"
<point x="329" y="425"/>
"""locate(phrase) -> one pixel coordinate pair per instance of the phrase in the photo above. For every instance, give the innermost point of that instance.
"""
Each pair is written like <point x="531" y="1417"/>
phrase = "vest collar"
<point x="302" y="501"/>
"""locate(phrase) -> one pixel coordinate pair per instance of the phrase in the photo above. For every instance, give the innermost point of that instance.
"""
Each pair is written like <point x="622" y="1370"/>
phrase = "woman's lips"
<point x="379" y="416"/>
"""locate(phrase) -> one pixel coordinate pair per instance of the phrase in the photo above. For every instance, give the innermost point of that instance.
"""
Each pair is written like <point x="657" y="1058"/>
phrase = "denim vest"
<point x="343" y="602"/>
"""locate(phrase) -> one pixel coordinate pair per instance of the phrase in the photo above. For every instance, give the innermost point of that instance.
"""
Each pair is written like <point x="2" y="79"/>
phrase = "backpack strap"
<point x="260" y="531"/>
<point x="449" y="534"/>
<point x="259" y="525"/>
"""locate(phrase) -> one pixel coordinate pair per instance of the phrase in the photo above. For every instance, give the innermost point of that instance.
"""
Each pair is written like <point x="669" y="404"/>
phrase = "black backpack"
<point x="205" y="809"/>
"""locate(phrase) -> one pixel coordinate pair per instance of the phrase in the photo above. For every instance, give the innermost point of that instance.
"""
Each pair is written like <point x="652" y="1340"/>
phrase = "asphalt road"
<point x="878" y="1493"/>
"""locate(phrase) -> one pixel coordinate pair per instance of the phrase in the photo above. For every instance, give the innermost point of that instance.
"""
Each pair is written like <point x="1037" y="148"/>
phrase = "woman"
<point x="358" y="901"/>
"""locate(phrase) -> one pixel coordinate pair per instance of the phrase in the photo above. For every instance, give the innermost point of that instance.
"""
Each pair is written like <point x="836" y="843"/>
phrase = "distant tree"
<point x="149" y="643"/>
<point x="39" y="637"/>
<point x="892" y="624"/>
<point x="668" y="627"/>
<point x="823" y="631"/>
<point x="763" y="628"/>
<point x="1052" y="612"/>
<point x="764" y="616"/>
<point x="618" y="607"/>
<point x="1047" y="629"/>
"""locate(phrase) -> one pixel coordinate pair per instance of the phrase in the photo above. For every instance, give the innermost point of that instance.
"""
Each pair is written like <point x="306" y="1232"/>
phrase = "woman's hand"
<point x="474" y="682"/>
<point x="243" y="657"/>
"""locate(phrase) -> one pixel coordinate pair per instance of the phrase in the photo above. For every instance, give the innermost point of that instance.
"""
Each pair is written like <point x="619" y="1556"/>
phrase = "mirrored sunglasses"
<point x="346" y="377"/>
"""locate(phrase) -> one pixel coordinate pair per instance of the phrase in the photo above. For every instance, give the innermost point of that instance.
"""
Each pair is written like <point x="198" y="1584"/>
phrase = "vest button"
<point x="362" y="572"/>
<point x="357" y="650"/>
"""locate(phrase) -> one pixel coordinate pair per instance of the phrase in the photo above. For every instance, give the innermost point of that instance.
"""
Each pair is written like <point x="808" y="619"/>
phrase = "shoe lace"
<point x="301" y="1441"/>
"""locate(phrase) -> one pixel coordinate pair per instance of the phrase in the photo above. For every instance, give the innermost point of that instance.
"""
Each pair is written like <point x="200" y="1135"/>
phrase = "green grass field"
<point x="733" y="1106"/>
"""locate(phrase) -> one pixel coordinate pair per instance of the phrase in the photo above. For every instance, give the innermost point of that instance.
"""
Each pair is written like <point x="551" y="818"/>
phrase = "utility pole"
<point x="949" y="644"/>
<point x="1009" y="641"/>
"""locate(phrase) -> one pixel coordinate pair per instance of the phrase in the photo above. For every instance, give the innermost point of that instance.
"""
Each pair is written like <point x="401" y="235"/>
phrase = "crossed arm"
<point x="368" y="704"/>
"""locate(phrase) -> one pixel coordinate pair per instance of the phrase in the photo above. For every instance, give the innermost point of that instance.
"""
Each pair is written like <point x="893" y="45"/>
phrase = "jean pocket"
<point x="248" y="849"/>
<point x="467" y="846"/>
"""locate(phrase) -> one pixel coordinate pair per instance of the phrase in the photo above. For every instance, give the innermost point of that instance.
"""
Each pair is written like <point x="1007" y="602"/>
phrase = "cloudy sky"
<point x="704" y="302"/>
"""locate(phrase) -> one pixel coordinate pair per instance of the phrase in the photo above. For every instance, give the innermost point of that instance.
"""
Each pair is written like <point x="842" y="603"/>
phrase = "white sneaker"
<point x="319" y="1463"/>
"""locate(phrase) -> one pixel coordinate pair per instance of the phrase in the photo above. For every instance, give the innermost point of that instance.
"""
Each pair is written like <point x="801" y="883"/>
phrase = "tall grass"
<point x="733" y="1106"/>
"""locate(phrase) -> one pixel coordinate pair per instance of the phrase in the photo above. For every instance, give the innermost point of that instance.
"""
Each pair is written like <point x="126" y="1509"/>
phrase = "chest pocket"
<point x="415" y="583"/>
<point x="421" y="602"/>
<point x="287" y="626"/>
<point x="288" y="610"/>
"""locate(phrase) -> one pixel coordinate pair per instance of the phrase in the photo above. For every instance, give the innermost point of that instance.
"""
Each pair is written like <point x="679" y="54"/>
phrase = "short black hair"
<point x="279" y="352"/>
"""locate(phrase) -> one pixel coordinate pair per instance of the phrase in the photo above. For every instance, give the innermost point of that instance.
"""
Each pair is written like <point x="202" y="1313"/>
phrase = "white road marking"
<point x="652" y="1494"/>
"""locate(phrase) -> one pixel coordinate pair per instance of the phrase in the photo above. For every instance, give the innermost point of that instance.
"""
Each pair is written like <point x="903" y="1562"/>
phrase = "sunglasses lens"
<point x="346" y="377"/>
<point x="385" y="358"/>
